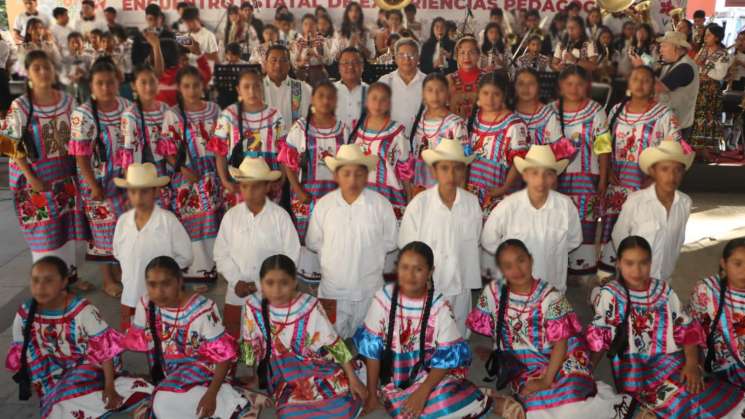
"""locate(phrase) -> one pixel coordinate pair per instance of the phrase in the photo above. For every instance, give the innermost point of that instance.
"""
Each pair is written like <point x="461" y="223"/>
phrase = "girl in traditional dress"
<point x="257" y="133"/>
<point x="195" y="187"/>
<point x="415" y="357"/>
<point x="141" y="125"/>
<point x="433" y="123"/>
<point x="637" y="123"/>
<point x="310" y="140"/>
<point x="713" y="63"/>
<point x="575" y="49"/>
<point x="300" y="359"/>
<point x="464" y="82"/>
<point x="583" y="122"/>
<point x="542" y="331"/>
<point x="188" y="351"/>
<point x="495" y="52"/>
<point x="64" y="349"/>
<point x="532" y="57"/>
<point x="541" y="120"/>
<point x="378" y="135"/>
<point x="653" y="344"/>
<point x="96" y="142"/>
<point x="718" y="303"/>
<point x="49" y="209"/>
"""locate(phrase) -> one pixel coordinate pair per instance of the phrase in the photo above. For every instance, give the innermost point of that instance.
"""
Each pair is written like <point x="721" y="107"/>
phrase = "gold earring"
<point x="628" y="93"/>
<point x="313" y="109"/>
<point x="30" y="84"/>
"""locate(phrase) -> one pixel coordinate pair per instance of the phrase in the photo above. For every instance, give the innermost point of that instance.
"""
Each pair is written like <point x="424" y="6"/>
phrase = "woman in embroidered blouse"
<point x="63" y="348"/>
<point x="495" y="52"/>
<point x="575" y="48"/>
<point x="718" y="303"/>
<point x="653" y="344"/>
<point x="416" y="358"/>
<point x="187" y="348"/>
<point x="464" y="82"/>
<point x="300" y="359"/>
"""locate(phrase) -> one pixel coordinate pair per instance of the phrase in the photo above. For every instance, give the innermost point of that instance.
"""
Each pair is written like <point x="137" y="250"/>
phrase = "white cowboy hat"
<point x="676" y="38"/>
<point x="448" y="150"/>
<point x="254" y="169"/>
<point x="668" y="150"/>
<point x="351" y="154"/>
<point x="141" y="176"/>
<point x="540" y="156"/>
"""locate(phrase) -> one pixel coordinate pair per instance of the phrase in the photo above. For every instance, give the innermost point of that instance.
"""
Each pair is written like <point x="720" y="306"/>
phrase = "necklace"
<point x="404" y="335"/>
<point x="516" y="321"/>
<point x="377" y="133"/>
<point x="538" y="107"/>
<point x="633" y="123"/>
<point x="282" y="325"/>
<point x="167" y="334"/>
<point x="426" y="137"/>
<point x="489" y="132"/>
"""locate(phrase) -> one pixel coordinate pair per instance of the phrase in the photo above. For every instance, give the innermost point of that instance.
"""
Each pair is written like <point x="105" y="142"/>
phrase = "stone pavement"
<point x="716" y="218"/>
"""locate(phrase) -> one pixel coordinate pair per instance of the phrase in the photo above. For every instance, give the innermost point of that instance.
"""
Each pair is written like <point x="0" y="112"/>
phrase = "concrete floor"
<point x="715" y="219"/>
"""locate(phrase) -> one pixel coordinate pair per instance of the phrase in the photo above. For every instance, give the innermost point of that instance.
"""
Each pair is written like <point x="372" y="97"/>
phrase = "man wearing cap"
<point x="249" y="233"/>
<point x="145" y="232"/>
<point x="352" y="229"/>
<point x="678" y="84"/>
<point x="546" y="221"/>
<point x="448" y="219"/>
<point x="659" y="213"/>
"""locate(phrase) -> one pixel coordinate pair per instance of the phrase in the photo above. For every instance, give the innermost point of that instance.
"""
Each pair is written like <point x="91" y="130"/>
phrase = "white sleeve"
<point x="409" y="230"/>
<point x="296" y="136"/>
<point x="623" y="226"/>
<point x="223" y="259"/>
<point x="574" y="233"/>
<point x="494" y="228"/>
<point x="117" y="241"/>
<point x="314" y="235"/>
<point x="721" y="67"/>
<point x="211" y="45"/>
<point x="390" y="227"/>
<point x="290" y="237"/>
<point x="181" y="243"/>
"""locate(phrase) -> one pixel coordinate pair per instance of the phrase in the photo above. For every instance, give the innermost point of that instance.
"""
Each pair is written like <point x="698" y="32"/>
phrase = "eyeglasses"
<point x="349" y="63"/>
<point x="405" y="56"/>
<point x="278" y="60"/>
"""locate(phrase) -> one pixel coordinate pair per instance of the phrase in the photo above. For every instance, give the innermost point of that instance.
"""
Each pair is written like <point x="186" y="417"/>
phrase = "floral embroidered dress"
<point x="428" y="134"/>
<point x="650" y="368"/>
<point x="587" y="130"/>
<point x="65" y="351"/>
<point x="197" y="205"/>
<point x="306" y="378"/>
<point x="394" y="166"/>
<point x="464" y="91"/>
<point x="533" y="324"/>
<point x="49" y="220"/>
<point x="707" y="124"/>
<point x="142" y="143"/>
<point x="543" y="127"/>
<point x="632" y="134"/>
<point x="104" y="145"/>
<point x="729" y="329"/>
<point x="263" y="132"/>
<point x="454" y="396"/>
<point x="192" y="340"/>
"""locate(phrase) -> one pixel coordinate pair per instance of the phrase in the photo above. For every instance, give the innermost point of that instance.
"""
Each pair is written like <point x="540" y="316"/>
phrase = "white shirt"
<point x="406" y="97"/>
<point x="162" y="235"/>
<point x="349" y="103"/>
<point x="644" y="215"/>
<point x="246" y="239"/>
<point x="207" y="43"/>
<point x="452" y="233"/>
<point x="352" y="242"/>
<point x="86" y="26"/>
<point x="22" y="19"/>
<point x="280" y="98"/>
<point x="60" y="35"/>
<point x="549" y="232"/>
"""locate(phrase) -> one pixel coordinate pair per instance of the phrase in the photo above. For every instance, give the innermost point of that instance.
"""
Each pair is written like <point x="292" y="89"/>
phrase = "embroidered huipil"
<point x="307" y="380"/>
<point x="533" y="324"/>
<point x="352" y="241"/>
<point x="162" y="235"/>
<point x="65" y="352"/>
<point x="543" y="127"/>
<point x="48" y="219"/>
<point x="428" y="134"/>
<point x="105" y="152"/>
<point x="464" y="91"/>
<point x="550" y="232"/>
<point x="444" y="348"/>
<point x="658" y="328"/>
<point x="197" y="205"/>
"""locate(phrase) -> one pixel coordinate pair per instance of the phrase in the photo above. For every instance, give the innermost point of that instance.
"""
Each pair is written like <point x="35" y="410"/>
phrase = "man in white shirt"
<point x="289" y="96"/>
<point x="352" y="229"/>
<point x="660" y="212"/>
<point x="19" y="26"/>
<point x="202" y="36"/>
<point x="406" y="83"/>
<point x="60" y="28"/>
<point x="249" y="233"/>
<point x="351" y="91"/>
<point x="88" y="20"/>
<point x="546" y="221"/>
<point x="448" y="219"/>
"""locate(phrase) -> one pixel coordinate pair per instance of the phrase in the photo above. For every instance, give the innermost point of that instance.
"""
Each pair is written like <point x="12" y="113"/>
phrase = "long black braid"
<point x="264" y="368"/>
<point x="103" y="64"/>
<point x="570" y="70"/>
<point x="386" y="360"/>
<point x="414" y="126"/>
<point x="422" y="339"/>
<point x="147" y="153"/>
<point x="23" y="376"/>
<point x="237" y="153"/>
<point x="156" y="368"/>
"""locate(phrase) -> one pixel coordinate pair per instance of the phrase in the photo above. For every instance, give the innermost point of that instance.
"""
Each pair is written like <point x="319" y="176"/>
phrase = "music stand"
<point x="547" y="81"/>
<point x="226" y="80"/>
<point x="373" y="72"/>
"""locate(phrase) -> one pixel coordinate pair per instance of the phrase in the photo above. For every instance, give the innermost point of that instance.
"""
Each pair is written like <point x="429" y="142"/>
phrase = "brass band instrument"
<point x="392" y="4"/>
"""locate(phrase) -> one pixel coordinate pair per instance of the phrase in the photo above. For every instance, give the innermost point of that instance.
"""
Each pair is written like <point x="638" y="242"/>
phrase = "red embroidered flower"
<point x="69" y="188"/>
<point x="183" y="195"/>
<point x="39" y="200"/>
<point x="27" y="209"/>
<point x="640" y="323"/>
<point x="193" y="201"/>
<point x="102" y="212"/>
<point x="739" y="324"/>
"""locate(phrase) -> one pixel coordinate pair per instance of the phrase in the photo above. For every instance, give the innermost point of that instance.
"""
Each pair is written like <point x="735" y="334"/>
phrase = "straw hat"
<point x="676" y="38"/>
<point x="254" y="169"/>
<point x="614" y="6"/>
<point x="540" y="156"/>
<point x="449" y="150"/>
<point x="141" y="176"/>
<point x="351" y="154"/>
<point x="668" y="150"/>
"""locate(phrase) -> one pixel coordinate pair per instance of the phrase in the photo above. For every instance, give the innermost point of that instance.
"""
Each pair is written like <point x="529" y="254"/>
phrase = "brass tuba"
<point x="392" y="4"/>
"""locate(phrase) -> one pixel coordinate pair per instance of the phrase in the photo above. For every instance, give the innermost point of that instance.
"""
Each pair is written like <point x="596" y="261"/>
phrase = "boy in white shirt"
<point x="659" y="213"/>
<point x="249" y="233"/>
<point x="204" y="38"/>
<point x="448" y="219"/>
<point x="60" y="29"/>
<point x="352" y="229"/>
<point x="143" y="233"/>
<point x="545" y="220"/>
